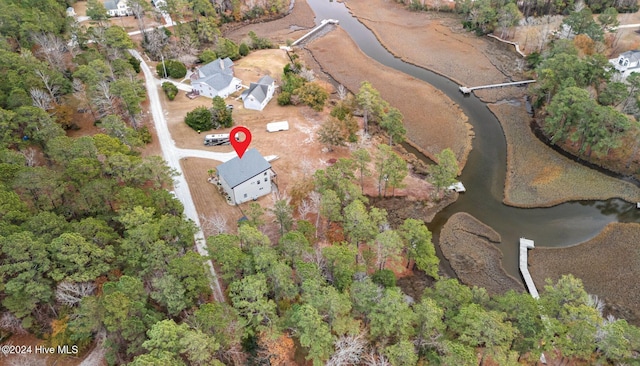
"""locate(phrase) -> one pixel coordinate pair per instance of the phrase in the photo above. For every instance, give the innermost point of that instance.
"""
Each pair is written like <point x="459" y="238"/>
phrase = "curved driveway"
<point x="172" y="156"/>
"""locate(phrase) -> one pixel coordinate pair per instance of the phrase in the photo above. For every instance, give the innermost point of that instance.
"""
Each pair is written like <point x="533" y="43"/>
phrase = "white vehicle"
<point x="277" y="126"/>
<point x="217" y="139"/>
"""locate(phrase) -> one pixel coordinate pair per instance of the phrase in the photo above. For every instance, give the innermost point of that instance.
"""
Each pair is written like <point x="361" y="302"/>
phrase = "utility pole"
<point x="164" y="67"/>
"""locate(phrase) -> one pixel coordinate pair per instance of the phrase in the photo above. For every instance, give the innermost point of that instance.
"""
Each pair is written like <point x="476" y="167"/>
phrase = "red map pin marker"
<point x="240" y="146"/>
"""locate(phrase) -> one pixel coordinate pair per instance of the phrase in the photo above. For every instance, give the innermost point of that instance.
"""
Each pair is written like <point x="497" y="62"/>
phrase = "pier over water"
<point x="468" y="90"/>
<point x="525" y="245"/>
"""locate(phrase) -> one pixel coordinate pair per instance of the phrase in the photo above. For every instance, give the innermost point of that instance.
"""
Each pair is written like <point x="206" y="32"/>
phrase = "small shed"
<point x="247" y="178"/>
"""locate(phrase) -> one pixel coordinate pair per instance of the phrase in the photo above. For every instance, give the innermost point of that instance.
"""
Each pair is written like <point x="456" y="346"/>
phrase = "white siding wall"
<point x="250" y="189"/>
<point x="204" y="89"/>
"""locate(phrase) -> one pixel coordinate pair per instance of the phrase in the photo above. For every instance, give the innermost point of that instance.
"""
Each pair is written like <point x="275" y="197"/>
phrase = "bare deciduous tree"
<point x="184" y="49"/>
<point x="342" y="92"/>
<point x="304" y="208"/>
<point x="48" y="84"/>
<point x="315" y="198"/>
<point x="29" y="156"/>
<point x="374" y="358"/>
<point x="155" y="42"/>
<point x="11" y="323"/>
<point x="70" y="293"/>
<point x="307" y="74"/>
<point x="102" y="98"/>
<point x="213" y="225"/>
<point x="40" y="98"/>
<point x="139" y="8"/>
<point x="349" y="350"/>
<point x="52" y="49"/>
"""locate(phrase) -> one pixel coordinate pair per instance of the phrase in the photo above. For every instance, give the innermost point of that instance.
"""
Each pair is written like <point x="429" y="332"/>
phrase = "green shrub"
<point x="227" y="48"/>
<point x="244" y="49"/>
<point x="135" y="63"/>
<point x="170" y="90"/>
<point x="175" y="69"/>
<point x="313" y="95"/>
<point x="284" y="98"/>
<point x="199" y="119"/>
<point x="384" y="277"/>
<point x="207" y="56"/>
<point x="145" y="135"/>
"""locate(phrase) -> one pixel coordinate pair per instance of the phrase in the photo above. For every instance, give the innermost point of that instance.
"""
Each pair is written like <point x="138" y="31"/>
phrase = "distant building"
<point x="117" y="8"/>
<point x="247" y="178"/>
<point x="215" y="78"/>
<point x="259" y="94"/>
<point x="71" y="12"/>
<point x="627" y="63"/>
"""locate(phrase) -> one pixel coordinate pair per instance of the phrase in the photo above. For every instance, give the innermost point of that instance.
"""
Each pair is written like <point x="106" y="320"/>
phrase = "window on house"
<point x="245" y="195"/>
<point x="258" y="181"/>
<point x="626" y="63"/>
<point x="265" y="179"/>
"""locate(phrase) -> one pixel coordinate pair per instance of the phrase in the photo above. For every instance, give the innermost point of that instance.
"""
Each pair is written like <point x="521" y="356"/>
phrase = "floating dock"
<point x="468" y="90"/>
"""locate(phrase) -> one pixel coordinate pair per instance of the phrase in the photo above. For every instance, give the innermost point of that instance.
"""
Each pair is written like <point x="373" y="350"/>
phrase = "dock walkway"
<point x="314" y="30"/>
<point x="525" y="245"/>
<point x="467" y="90"/>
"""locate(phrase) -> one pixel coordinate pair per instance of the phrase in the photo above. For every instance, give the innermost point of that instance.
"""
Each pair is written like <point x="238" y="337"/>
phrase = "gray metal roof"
<point x="217" y="66"/>
<point x="217" y="81"/>
<point x="111" y="4"/>
<point x="632" y="55"/>
<point x="237" y="171"/>
<point x="266" y="80"/>
<point x="258" y="91"/>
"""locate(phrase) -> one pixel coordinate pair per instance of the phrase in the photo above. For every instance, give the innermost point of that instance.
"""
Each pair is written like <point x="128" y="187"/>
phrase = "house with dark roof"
<point x="117" y="8"/>
<point x="247" y="178"/>
<point x="627" y="63"/>
<point x="215" y="79"/>
<point x="259" y="94"/>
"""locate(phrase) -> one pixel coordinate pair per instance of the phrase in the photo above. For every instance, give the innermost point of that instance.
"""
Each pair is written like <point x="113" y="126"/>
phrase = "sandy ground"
<point x="291" y="168"/>
<point x="607" y="264"/>
<point x="445" y="126"/>
<point x="470" y="247"/>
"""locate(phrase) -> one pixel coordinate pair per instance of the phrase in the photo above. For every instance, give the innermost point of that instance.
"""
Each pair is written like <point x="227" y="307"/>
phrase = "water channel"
<point x="484" y="173"/>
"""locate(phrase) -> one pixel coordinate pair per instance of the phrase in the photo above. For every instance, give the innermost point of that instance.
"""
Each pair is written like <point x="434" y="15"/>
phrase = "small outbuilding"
<point x="259" y="94"/>
<point x="247" y="178"/>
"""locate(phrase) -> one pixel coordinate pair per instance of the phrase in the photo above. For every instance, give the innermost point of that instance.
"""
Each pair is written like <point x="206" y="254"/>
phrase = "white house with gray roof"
<point x="247" y="178"/>
<point x="215" y="78"/>
<point x="627" y="63"/>
<point x="259" y="94"/>
<point x="117" y="8"/>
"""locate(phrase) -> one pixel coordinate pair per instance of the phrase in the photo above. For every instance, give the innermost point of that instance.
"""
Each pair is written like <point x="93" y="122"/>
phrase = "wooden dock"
<point x="314" y="30"/>
<point x="525" y="245"/>
<point x="468" y="90"/>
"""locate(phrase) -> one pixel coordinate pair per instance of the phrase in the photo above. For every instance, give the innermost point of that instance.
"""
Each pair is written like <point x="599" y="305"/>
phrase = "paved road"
<point x="172" y="156"/>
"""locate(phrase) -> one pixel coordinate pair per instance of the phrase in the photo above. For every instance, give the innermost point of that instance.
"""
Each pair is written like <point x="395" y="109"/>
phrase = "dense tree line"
<point x="334" y="301"/>
<point x="567" y="82"/>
